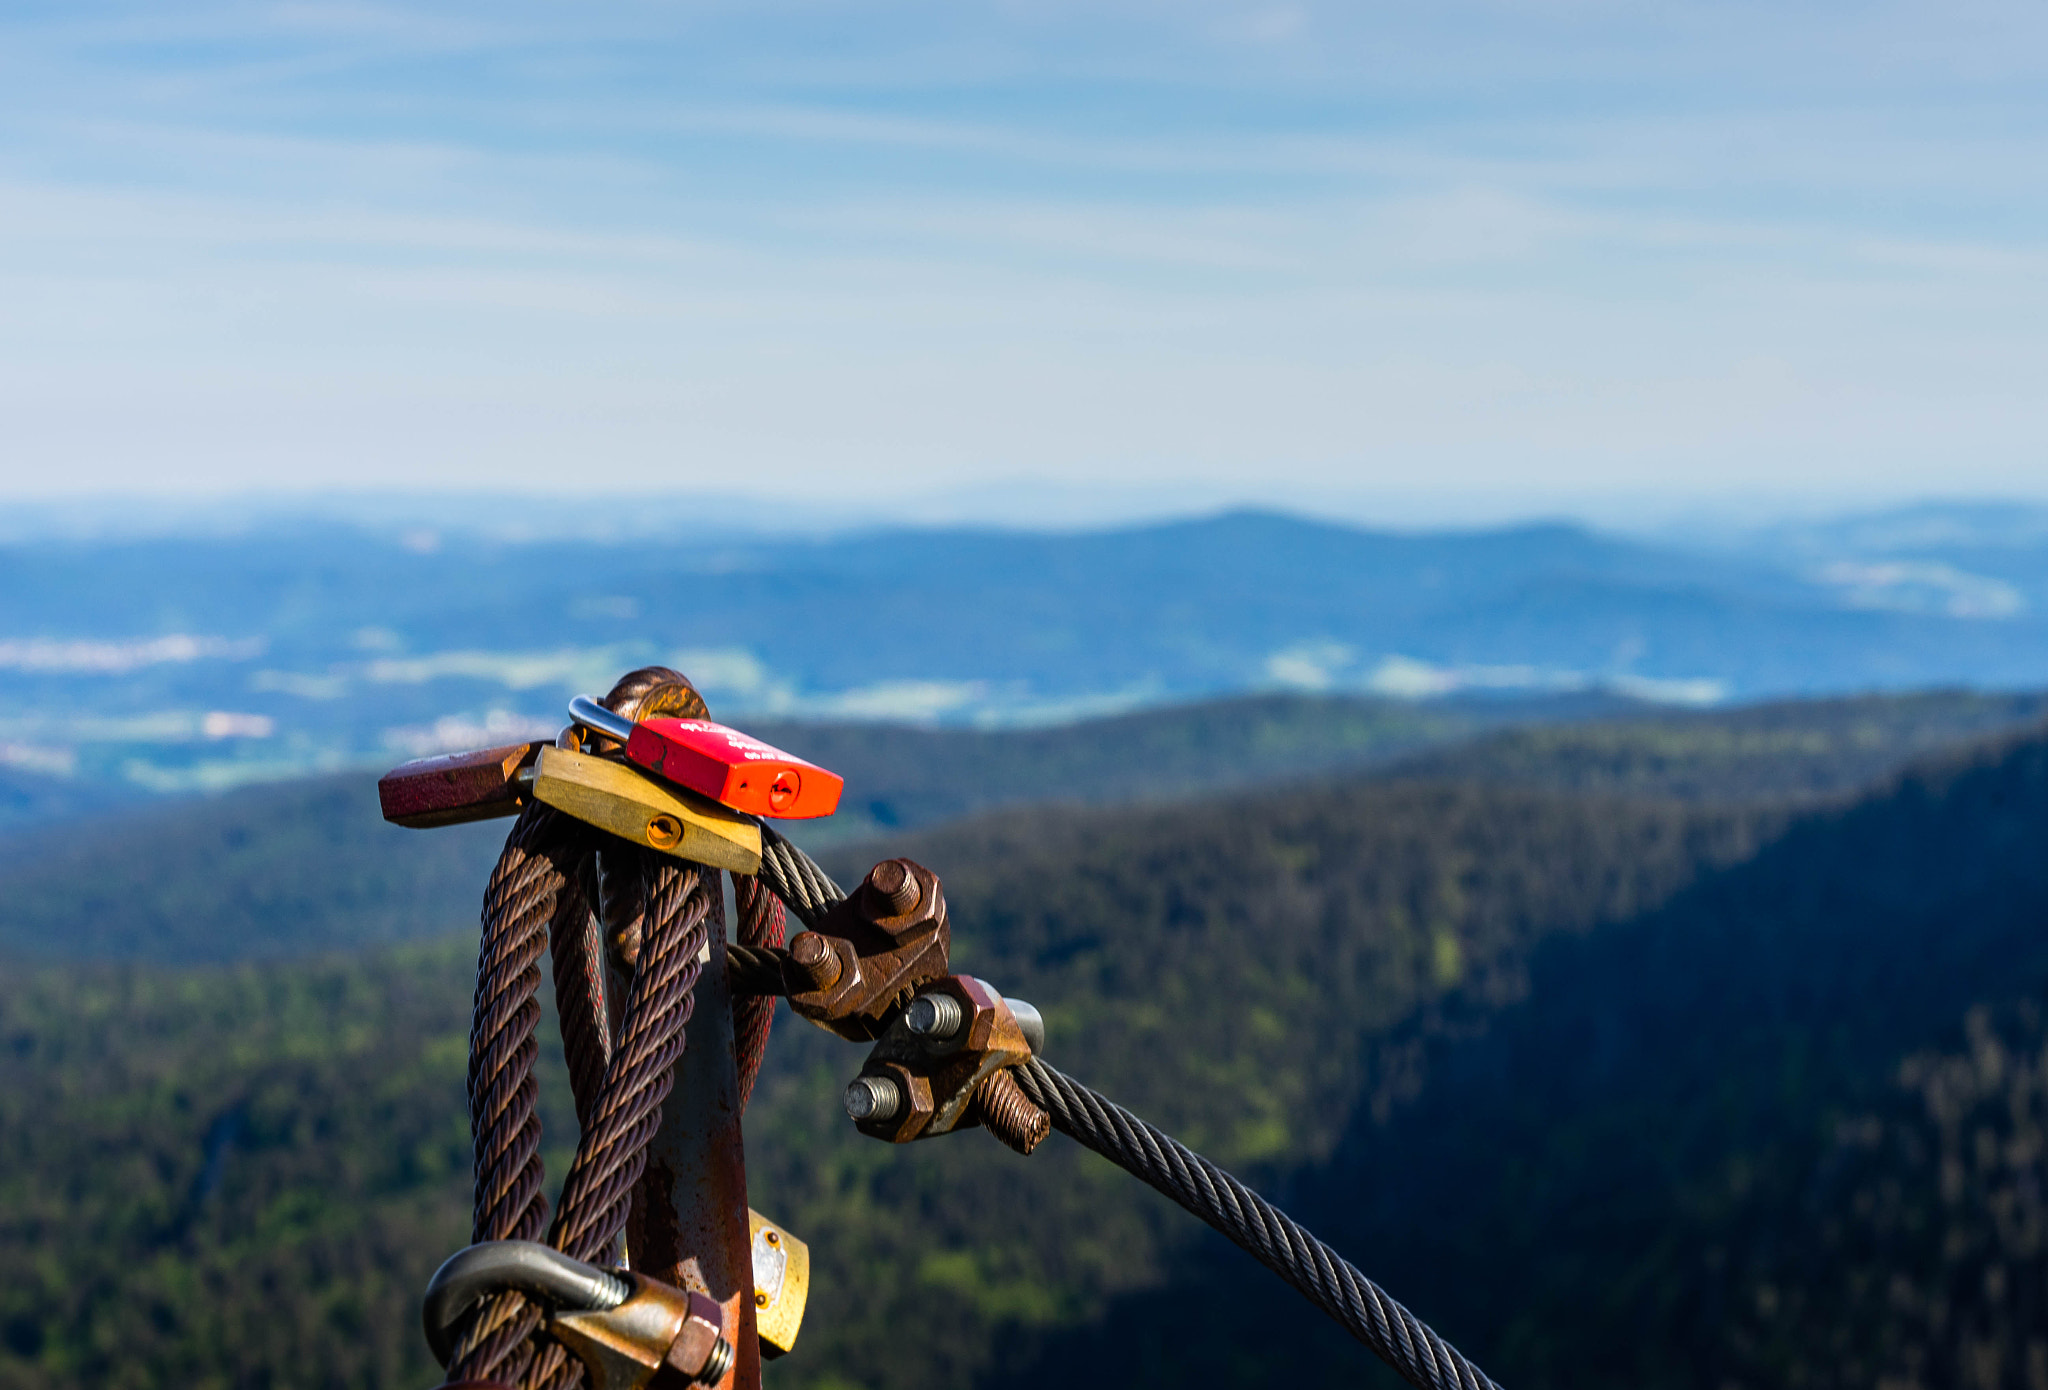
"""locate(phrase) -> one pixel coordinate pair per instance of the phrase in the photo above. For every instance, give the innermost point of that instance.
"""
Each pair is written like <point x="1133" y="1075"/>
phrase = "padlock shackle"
<point x="591" y="715"/>
<point x="473" y="1273"/>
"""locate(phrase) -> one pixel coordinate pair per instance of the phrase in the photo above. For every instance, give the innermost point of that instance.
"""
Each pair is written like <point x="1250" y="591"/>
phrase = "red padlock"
<point x="724" y="764"/>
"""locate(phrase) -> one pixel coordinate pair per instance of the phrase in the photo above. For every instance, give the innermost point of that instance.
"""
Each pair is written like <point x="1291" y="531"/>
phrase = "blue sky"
<point x="1466" y="257"/>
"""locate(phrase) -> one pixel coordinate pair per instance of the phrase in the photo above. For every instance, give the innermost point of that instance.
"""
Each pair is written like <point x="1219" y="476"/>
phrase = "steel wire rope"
<point x="611" y="1152"/>
<point x="795" y="877"/>
<point x="1268" y="1234"/>
<point x="1156" y="1158"/>
<point x="762" y="926"/>
<point x="535" y="885"/>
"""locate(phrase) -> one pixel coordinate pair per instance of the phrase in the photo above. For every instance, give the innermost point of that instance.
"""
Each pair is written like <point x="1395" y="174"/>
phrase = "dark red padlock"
<point x="732" y="768"/>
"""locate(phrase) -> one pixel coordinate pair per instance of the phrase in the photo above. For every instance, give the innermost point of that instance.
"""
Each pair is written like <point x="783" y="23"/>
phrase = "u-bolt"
<point x="470" y="1275"/>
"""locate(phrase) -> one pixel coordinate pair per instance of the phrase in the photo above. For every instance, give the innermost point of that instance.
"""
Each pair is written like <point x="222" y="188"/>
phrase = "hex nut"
<point x="700" y="1353"/>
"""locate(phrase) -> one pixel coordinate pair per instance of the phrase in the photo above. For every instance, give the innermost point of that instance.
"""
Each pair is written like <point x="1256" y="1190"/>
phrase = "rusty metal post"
<point x="689" y="1228"/>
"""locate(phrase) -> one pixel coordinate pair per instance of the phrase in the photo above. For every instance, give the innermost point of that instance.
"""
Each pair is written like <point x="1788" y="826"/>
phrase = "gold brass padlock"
<point x="782" y="1284"/>
<point x="635" y="806"/>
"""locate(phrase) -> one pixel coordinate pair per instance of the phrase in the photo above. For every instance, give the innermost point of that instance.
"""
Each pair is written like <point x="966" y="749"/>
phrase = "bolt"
<point x="892" y="882"/>
<point x="934" y="1016"/>
<point x="700" y="1355"/>
<point x="873" y="1098"/>
<point x="815" y="960"/>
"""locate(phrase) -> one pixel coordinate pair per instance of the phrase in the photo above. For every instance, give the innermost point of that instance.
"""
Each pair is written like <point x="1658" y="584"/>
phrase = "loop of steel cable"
<point x="653" y="911"/>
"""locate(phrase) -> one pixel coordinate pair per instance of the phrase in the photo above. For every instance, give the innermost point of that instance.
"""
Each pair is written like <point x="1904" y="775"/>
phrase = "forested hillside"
<point x="1787" y="751"/>
<point x="230" y="1177"/>
<point x="1644" y="1091"/>
<point x="1235" y="969"/>
<point x="1764" y="1134"/>
<point x="901" y="777"/>
<point x="302" y="867"/>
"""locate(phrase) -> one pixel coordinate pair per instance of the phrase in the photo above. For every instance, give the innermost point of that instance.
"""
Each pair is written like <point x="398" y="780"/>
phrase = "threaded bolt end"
<point x="816" y="965"/>
<point x="934" y="1016"/>
<point x="873" y="1098"/>
<point x="895" y="885"/>
<point x="716" y="1364"/>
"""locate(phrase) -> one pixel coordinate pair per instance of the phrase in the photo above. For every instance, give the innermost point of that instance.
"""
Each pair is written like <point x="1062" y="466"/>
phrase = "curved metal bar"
<point x="1031" y="1021"/>
<point x="591" y="715"/>
<point x="491" y="1266"/>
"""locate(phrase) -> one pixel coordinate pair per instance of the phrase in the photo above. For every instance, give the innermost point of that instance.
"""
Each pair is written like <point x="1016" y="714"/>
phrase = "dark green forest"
<point x="1628" y="1053"/>
<point x="304" y="867"/>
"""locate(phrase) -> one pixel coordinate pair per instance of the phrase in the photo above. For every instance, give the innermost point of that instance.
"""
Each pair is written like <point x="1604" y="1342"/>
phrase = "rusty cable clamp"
<point x="623" y="823"/>
<point x="874" y="969"/>
<point x="944" y="1064"/>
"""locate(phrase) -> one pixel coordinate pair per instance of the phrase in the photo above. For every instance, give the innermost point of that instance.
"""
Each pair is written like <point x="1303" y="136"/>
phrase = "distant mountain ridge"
<point x="167" y="663"/>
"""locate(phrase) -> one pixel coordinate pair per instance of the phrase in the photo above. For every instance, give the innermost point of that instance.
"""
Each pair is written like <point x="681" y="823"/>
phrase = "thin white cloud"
<point x="397" y="244"/>
<point x="56" y="656"/>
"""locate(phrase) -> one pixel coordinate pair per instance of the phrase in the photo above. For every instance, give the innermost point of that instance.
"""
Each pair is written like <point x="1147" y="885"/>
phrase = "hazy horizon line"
<point x="1018" y="505"/>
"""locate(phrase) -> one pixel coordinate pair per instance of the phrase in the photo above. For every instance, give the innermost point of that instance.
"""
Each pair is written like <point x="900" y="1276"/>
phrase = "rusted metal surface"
<point x="660" y="1338"/>
<point x="937" y="1079"/>
<point x="689" y="1228"/>
<point x="815" y="966"/>
<point x="1007" y="1113"/>
<point x="871" y="952"/>
<point x="457" y="787"/>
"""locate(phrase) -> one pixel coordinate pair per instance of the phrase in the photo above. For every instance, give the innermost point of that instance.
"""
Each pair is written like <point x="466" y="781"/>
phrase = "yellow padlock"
<point x="782" y="1284"/>
<point x="635" y="806"/>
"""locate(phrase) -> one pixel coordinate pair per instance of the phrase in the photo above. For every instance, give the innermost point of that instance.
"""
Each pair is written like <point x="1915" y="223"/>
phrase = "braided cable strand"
<point x="525" y="891"/>
<point x="754" y="970"/>
<point x="576" y="941"/>
<point x="762" y="926"/>
<point x="540" y="894"/>
<point x="534" y="889"/>
<point x="612" y="1152"/>
<point x="597" y="1192"/>
<point x="1396" y="1335"/>
<point x="795" y="877"/>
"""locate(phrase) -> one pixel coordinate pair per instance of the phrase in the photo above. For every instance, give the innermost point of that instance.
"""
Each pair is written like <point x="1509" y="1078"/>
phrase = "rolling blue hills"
<point x="185" y="661"/>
